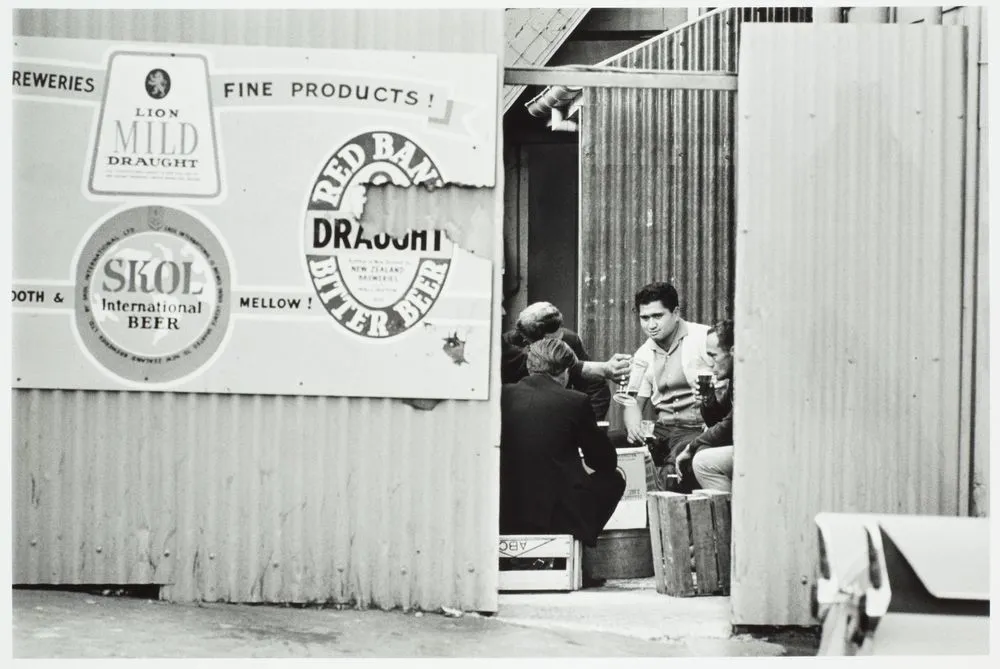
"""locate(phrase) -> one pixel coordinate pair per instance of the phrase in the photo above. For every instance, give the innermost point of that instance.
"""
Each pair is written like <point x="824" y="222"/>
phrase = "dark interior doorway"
<point x="553" y="229"/>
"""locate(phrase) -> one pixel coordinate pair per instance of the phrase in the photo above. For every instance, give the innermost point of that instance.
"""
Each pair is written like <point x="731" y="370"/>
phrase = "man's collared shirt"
<point x="665" y="383"/>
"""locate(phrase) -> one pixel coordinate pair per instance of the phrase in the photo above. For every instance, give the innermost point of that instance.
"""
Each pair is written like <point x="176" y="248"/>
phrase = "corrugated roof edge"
<point x="512" y="93"/>
<point x="541" y="104"/>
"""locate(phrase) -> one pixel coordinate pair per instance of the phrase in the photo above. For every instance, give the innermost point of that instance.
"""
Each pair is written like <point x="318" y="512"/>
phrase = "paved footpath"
<point x="55" y="624"/>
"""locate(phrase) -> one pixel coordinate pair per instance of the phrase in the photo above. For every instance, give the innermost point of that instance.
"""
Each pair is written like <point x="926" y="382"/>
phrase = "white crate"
<point x="541" y="546"/>
<point x="630" y="514"/>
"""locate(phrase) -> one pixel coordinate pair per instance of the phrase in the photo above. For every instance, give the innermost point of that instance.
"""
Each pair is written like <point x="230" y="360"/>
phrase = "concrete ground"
<point x="621" y="619"/>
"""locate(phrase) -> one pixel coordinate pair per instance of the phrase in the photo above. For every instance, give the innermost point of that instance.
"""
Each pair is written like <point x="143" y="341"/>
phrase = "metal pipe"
<point x="971" y="355"/>
<point x="620" y="78"/>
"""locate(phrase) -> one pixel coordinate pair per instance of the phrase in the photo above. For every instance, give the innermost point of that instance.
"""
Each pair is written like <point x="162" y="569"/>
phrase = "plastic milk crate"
<point x="690" y="535"/>
<point x="540" y="562"/>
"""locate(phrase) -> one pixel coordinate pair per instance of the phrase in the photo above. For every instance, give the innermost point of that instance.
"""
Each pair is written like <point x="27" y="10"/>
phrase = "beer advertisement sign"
<point x="201" y="218"/>
<point x="375" y="286"/>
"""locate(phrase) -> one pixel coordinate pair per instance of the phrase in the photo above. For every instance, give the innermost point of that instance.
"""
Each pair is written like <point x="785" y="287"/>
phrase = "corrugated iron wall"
<point x="980" y="490"/>
<point x="657" y="187"/>
<point x="976" y="375"/>
<point x="849" y="301"/>
<point x="263" y="498"/>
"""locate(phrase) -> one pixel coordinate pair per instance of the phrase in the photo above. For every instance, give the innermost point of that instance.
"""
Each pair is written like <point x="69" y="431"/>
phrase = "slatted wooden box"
<point x="690" y="537"/>
<point x="540" y="562"/>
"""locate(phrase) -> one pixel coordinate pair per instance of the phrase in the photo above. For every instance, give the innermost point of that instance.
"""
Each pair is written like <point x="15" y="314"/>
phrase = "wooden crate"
<point x="525" y="563"/>
<point x="690" y="536"/>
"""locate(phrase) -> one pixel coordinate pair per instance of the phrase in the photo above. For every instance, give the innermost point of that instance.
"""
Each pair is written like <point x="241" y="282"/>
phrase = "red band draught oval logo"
<point x="374" y="285"/>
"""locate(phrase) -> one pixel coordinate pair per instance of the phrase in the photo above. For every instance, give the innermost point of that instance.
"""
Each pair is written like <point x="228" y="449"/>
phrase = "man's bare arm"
<point x="615" y="368"/>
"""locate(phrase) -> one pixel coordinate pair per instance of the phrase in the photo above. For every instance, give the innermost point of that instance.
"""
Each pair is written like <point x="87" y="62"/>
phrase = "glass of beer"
<point x="648" y="430"/>
<point x="629" y="390"/>
<point x="705" y="387"/>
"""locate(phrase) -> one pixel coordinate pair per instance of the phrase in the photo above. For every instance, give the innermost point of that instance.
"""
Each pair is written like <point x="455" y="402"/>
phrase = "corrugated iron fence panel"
<point x="657" y="193"/>
<point x="980" y="492"/>
<point x="94" y="496"/>
<point x="976" y="304"/>
<point x="255" y="498"/>
<point x="469" y="31"/>
<point x="848" y="308"/>
<point x="251" y="498"/>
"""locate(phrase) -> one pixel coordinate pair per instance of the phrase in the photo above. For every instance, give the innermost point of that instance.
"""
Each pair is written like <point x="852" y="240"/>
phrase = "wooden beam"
<point x="549" y="76"/>
<point x="622" y="19"/>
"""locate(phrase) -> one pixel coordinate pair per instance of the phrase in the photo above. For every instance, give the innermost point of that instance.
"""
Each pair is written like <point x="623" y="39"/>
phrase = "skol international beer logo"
<point x="153" y="294"/>
<point x="375" y="286"/>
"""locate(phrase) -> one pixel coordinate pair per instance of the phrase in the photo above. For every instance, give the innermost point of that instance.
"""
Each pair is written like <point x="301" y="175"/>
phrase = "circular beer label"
<point x="374" y="285"/>
<point x="153" y="298"/>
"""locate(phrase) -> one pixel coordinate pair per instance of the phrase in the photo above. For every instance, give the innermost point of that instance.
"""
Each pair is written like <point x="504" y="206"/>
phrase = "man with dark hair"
<point x="543" y="319"/>
<point x="674" y="356"/>
<point x="544" y="488"/>
<point x="711" y="453"/>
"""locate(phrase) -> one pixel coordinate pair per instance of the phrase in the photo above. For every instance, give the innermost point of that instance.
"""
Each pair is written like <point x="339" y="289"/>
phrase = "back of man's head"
<point x="660" y="291"/>
<point x="550" y="356"/>
<point x="724" y="331"/>
<point x="539" y="319"/>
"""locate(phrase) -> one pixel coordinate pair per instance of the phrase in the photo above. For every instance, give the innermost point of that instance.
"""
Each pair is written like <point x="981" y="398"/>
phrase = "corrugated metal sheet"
<point x="257" y="498"/>
<point x="975" y="299"/>
<point x="657" y="187"/>
<point x="262" y="498"/>
<point x="848" y="305"/>
<point x="980" y="493"/>
<point x="469" y="31"/>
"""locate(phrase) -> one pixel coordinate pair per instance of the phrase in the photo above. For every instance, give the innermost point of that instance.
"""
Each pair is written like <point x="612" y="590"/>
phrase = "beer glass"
<point x="705" y="386"/>
<point x="648" y="430"/>
<point x="628" y="391"/>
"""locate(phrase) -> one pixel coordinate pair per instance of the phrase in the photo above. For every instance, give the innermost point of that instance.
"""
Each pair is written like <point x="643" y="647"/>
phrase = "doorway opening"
<point x="611" y="186"/>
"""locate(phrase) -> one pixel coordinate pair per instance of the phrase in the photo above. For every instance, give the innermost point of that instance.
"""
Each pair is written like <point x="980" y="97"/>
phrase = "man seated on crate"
<point x="544" y="488"/>
<point x="674" y="356"/>
<point x="543" y="319"/>
<point x="711" y="453"/>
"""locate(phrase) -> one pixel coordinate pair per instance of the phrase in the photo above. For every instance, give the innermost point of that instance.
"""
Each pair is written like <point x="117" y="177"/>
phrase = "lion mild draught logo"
<point x="156" y="131"/>
<point x="157" y="84"/>
<point x="153" y="294"/>
<point x="375" y="286"/>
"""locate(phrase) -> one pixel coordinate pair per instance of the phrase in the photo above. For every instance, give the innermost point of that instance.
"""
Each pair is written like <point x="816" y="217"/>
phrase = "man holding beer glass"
<point x="711" y="453"/>
<point x="665" y="373"/>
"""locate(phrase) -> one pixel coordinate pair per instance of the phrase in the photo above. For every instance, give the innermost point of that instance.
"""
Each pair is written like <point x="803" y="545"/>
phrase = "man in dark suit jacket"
<point x="544" y="488"/>
<point x="543" y="319"/>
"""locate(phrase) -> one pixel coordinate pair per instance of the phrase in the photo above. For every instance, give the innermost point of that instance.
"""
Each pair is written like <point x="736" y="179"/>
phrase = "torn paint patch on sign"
<point x="454" y="348"/>
<point x="397" y="209"/>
